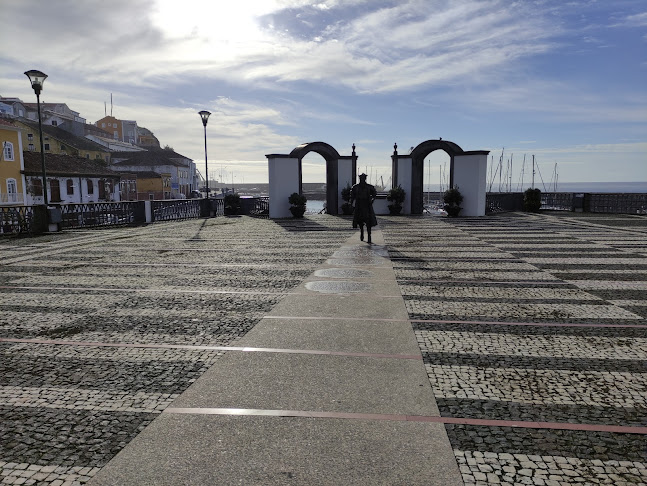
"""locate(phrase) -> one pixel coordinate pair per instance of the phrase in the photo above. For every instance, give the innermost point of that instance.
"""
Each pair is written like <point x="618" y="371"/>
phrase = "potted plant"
<point x="452" y="199"/>
<point x="346" y="208"/>
<point x="396" y="196"/>
<point x="532" y="200"/>
<point x="232" y="204"/>
<point x="298" y="204"/>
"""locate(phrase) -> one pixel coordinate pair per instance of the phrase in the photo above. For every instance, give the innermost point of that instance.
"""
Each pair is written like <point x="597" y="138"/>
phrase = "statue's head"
<point x="362" y="177"/>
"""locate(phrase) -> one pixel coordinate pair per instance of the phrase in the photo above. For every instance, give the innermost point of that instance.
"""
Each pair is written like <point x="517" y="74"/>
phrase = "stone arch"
<point x="418" y="155"/>
<point x="340" y="169"/>
<point x="470" y="175"/>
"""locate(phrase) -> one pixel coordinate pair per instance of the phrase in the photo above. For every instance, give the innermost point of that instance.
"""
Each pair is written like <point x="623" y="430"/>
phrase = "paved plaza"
<point x="532" y="331"/>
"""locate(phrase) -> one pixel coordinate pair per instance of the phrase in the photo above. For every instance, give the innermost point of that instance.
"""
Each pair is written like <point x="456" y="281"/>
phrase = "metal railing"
<point x="92" y="215"/>
<point x="617" y="203"/>
<point x="255" y="206"/>
<point x="498" y="202"/>
<point x="21" y="220"/>
<point x="177" y="209"/>
<point x="558" y="201"/>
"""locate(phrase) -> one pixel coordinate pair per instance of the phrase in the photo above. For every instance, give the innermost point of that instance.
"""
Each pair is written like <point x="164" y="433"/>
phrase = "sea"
<point x="314" y="206"/>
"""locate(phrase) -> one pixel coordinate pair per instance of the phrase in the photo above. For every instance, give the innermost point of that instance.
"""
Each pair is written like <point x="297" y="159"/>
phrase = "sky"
<point x="565" y="81"/>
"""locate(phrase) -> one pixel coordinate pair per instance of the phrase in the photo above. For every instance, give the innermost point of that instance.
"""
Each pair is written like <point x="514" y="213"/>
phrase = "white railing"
<point x="11" y="199"/>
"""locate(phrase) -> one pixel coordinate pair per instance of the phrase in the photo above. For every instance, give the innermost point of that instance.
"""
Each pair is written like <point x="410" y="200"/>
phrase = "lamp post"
<point x="205" y="117"/>
<point x="37" y="79"/>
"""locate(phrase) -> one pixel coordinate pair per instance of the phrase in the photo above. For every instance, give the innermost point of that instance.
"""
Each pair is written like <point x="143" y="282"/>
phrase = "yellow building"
<point x="12" y="187"/>
<point x="58" y="141"/>
<point x="143" y="185"/>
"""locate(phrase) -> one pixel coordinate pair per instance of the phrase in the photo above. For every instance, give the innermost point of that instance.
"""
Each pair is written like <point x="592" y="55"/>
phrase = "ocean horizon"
<point x="593" y="187"/>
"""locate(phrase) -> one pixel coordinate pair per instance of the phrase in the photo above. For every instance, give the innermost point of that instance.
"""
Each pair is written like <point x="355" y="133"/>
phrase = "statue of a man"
<point x="363" y="195"/>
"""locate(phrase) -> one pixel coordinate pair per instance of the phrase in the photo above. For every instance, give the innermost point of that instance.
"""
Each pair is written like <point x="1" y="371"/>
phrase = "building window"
<point x="116" y="135"/>
<point x="114" y="125"/>
<point x="103" y="125"/>
<point x="31" y="147"/>
<point x="36" y="187"/>
<point x="55" y="190"/>
<point x="151" y="196"/>
<point x="90" y="187"/>
<point x="30" y="137"/>
<point x="46" y="146"/>
<point x="102" y="188"/>
<point x="63" y="147"/>
<point x="87" y="156"/>
<point x="12" y="191"/>
<point x="7" y="153"/>
<point x="70" y="187"/>
<point x="54" y="123"/>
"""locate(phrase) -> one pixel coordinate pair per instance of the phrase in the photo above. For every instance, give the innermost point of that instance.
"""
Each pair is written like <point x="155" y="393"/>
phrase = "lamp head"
<point x="205" y="116"/>
<point x="37" y="78"/>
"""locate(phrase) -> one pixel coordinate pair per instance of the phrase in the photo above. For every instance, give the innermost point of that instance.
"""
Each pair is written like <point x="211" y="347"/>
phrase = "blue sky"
<point x="564" y="81"/>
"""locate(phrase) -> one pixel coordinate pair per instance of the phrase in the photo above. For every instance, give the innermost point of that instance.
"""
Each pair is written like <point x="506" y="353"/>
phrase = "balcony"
<point x="11" y="199"/>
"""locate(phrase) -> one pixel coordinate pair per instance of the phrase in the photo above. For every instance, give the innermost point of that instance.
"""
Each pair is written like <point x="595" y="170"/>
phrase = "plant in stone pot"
<point x="396" y="196"/>
<point x="532" y="200"/>
<point x="452" y="199"/>
<point x="298" y="204"/>
<point x="232" y="204"/>
<point x="346" y="207"/>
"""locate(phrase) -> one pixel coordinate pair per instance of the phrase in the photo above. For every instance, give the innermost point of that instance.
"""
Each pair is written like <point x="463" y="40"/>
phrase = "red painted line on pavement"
<point x="455" y="321"/>
<point x="178" y="291"/>
<point x="325" y="318"/>
<point x="511" y="282"/>
<point x="537" y="324"/>
<point x="245" y="349"/>
<point x="619" y="429"/>
<point x="182" y="291"/>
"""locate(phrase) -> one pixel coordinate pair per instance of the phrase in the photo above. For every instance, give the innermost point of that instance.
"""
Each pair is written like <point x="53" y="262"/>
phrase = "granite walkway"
<point x="509" y="349"/>
<point x="319" y="395"/>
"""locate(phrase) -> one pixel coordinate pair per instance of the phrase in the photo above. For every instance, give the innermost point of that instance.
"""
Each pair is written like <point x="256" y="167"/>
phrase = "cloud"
<point x="637" y="20"/>
<point x="382" y="47"/>
<point x="557" y="101"/>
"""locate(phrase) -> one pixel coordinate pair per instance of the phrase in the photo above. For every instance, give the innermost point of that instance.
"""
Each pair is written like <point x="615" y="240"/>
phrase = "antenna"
<point x="110" y="104"/>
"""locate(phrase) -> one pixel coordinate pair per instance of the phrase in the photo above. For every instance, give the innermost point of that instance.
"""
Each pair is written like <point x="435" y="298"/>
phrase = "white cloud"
<point x="410" y="45"/>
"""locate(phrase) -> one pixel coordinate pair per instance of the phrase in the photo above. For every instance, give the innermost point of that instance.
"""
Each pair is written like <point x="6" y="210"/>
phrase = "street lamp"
<point x="37" y="79"/>
<point x="205" y="117"/>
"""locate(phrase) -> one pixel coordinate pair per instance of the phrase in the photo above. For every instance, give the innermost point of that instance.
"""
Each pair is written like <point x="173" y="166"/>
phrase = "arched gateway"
<point x="285" y="176"/>
<point x="467" y="171"/>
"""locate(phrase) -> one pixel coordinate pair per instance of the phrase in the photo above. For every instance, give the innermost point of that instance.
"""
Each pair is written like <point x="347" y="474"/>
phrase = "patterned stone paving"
<point x="65" y="409"/>
<point x="468" y="281"/>
<point x="577" y="283"/>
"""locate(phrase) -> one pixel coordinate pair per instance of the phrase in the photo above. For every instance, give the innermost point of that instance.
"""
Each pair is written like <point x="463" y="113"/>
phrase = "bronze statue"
<point x="363" y="195"/>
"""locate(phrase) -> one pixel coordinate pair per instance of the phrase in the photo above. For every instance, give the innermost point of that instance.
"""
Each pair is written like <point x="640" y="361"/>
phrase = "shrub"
<point x="298" y="204"/>
<point x="452" y="199"/>
<point x="532" y="200"/>
<point x="232" y="203"/>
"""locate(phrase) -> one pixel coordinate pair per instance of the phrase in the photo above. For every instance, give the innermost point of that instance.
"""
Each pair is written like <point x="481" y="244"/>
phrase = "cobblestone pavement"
<point x="66" y="409"/>
<point x="487" y="296"/>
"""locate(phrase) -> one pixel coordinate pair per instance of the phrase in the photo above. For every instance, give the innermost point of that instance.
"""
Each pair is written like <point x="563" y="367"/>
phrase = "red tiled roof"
<point x="66" y="165"/>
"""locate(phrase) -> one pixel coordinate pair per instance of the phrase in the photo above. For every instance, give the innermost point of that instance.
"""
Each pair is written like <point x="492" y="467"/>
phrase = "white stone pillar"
<point x="345" y="176"/>
<point x="284" y="179"/>
<point x="405" y="179"/>
<point x="470" y="177"/>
